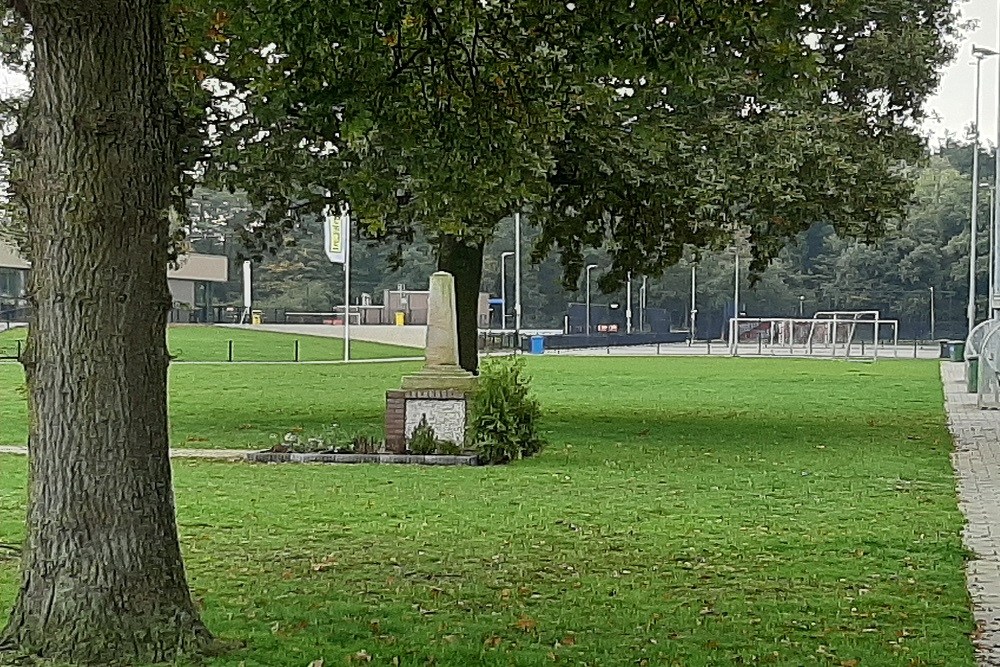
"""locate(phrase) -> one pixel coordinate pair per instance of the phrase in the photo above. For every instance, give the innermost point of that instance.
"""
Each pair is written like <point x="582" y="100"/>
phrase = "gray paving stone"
<point x="975" y="457"/>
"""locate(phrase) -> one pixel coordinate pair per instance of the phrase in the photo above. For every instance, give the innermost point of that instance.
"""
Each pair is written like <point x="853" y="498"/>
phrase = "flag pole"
<point x="346" y="231"/>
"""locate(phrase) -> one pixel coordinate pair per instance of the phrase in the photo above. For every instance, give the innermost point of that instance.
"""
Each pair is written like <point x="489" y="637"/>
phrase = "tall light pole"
<point x="980" y="54"/>
<point x="992" y="251"/>
<point x="735" y="328"/>
<point x="694" y="308"/>
<point x="517" y="275"/>
<point x="628" y="304"/>
<point x="589" y="268"/>
<point x="642" y="306"/>
<point x="503" y="287"/>
<point x="995" y="299"/>
<point x="933" y="337"/>
<point x="802" y="305"/>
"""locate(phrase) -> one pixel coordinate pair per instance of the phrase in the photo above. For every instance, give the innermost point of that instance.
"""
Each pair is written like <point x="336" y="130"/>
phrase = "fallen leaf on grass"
<point x="850" y="663"/>
<point x="361" y="656"/>
<point x="316" y="663"/>
<point x="492" y="642"/>
<point x="526" y="624"/>
<point x="325" y="564"/>
<point x="568" y="640"/>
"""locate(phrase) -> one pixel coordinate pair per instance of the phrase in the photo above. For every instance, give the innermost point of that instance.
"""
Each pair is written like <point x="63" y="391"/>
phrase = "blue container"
<point x="538" y="344"/>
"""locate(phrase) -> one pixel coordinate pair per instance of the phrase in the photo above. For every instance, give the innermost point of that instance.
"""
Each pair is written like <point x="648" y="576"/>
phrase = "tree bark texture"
<point x="464" y="260"/>
<point x="102" y="578"/>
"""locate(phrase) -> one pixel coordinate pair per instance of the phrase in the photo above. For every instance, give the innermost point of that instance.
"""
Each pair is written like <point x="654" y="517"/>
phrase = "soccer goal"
<point x="861" y="335"/>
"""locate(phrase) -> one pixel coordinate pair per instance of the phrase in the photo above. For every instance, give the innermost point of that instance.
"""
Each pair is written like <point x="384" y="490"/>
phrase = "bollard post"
<point x="296" y="349"/>
<point x="914" y="348"/>
<point x="862" y="347"/>
<point x="709" y="342"/>
<point x="758" y="343"/>
<point x="230" y="350"/>
<point x="657" y="349"/>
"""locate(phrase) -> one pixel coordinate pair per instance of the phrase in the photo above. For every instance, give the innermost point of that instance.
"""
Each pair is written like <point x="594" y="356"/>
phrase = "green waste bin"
<point x="956" y="350"/>
<point x="972" y="374"/>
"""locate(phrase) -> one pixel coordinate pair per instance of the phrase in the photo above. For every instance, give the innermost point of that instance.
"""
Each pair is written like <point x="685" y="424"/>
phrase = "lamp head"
<point x="982" y="52"/>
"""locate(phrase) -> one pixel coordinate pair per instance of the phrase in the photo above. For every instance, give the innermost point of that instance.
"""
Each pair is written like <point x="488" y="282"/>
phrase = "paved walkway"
<point x="408" y="336"/>
<point x="219" y="454"/>
<point x="977" y="466"/>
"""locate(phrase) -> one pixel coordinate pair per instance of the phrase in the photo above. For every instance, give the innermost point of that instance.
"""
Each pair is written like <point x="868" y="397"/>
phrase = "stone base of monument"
<point x="425" y="459"/>
<point x="446" y="411"/>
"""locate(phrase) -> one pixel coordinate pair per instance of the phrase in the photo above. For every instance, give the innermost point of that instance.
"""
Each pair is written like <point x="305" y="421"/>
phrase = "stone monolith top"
<point x="441" y="369"/>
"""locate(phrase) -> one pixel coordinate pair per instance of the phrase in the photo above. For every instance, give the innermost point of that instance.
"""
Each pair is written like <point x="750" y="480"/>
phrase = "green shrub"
<point x="503" y="420"/>
<point x="423" y="440"/>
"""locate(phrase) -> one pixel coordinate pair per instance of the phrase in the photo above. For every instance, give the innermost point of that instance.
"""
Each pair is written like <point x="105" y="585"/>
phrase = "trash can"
<point x="945" y="352"/>
<point x="956" y="350"/>
<point x="400" y="318"/>
<point x="972" y="374"/>
<point x="256" y="316"/>
<point x="538" y="344"/>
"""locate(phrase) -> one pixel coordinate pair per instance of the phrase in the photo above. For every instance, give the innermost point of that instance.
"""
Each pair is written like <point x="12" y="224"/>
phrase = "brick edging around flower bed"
<point x="419" y="459"/>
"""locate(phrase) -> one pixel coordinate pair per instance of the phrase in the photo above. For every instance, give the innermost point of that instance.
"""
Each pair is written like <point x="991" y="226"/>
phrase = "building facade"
<point x="190" y="283"/>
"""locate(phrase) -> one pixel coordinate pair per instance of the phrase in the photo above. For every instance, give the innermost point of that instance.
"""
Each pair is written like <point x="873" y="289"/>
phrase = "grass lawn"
<point x="209" y="343"/>
<point x="687" y="512"/>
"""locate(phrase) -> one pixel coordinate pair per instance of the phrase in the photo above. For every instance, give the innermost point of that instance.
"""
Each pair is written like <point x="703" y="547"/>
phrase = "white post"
<point x="642" y="306"/>
<point x="247" y="292"/>
<point x="347" y="284"/>
<point x="735" y="333"/>
<point x="628" y="304"/>
<point x="932" y="316"/>
<point x="694" y="310"/>
<point x="589" y="267"/>
<point x="517" y="274"/>
<point x="995" y="308"/>
<point x="992" y="256"/>
<point x="974" y="221"/>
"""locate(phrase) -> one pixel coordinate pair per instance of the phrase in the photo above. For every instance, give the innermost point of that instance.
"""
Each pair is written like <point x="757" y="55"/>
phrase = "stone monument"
<point x="439" y="391"/>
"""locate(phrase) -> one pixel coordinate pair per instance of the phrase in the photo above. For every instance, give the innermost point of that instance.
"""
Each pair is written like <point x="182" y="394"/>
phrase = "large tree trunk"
<point x="102" y="576"/>
<point x="465" y="262"/>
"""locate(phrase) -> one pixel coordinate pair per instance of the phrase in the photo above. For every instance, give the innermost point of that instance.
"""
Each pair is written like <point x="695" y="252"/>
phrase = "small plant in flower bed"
<point x="503" y="424"/>
<point x="333" y="440"/>
<point x="424" y="441"/>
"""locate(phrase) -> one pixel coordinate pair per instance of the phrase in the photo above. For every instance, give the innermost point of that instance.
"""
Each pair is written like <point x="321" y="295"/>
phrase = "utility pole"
<point x="517" y="278"/>
<point x="628" y="304"/>
<point x="933" y="337"/>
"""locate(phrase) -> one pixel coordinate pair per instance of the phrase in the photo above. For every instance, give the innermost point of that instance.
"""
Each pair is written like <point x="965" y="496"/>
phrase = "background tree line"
<point x="930" y="248"/>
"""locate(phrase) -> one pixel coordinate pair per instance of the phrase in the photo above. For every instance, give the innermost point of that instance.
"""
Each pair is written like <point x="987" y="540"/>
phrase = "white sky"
<point x="955" y="100"/>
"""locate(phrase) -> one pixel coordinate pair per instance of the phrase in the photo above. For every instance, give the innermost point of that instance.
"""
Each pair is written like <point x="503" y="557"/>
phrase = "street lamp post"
<point x="802" y="305"/>
<point x="517" y="276"/>
<point x="503" y="288"/>
<point x="735" y="327"/>
<point x="980" y="54"/>
<point x="589" y="268"/>
<point x="694" y="309"/>
<point x="642" y="306"/>
<point x="933" y="337"/>
<point x="628" y="304"/>
<point x="992" y="250"/>
<point x="994" y="304"/>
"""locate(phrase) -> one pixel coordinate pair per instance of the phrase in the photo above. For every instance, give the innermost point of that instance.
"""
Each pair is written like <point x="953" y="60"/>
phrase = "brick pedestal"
<point x="446" y="411"/>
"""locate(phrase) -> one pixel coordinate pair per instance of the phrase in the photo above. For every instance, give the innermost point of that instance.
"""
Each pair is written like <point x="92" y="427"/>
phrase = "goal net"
<point x="858" y="335"/>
